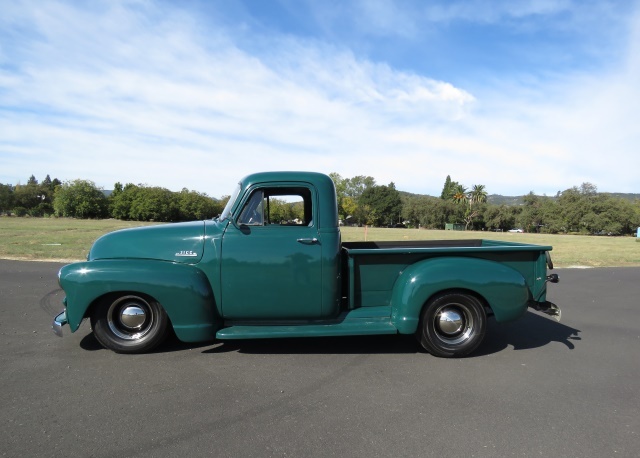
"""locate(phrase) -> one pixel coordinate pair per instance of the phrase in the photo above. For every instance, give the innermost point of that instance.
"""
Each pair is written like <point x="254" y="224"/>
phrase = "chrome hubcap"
<point x="450" y="322"/>
<point x="453" y="324"/>
<point x="132" y="317"/>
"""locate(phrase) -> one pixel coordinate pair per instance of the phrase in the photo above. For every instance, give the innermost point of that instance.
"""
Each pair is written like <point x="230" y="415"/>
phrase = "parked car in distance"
<point x="519" y="231"/>
<point x="605" y="233"/>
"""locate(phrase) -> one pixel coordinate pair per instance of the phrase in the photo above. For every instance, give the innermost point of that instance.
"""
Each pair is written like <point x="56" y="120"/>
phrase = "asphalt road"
<point x="535" y="387"/>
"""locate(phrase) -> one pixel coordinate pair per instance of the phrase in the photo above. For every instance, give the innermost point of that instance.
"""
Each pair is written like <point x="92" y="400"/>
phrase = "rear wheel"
<point x="129" y="323"/>
<point x="452" y="324"/>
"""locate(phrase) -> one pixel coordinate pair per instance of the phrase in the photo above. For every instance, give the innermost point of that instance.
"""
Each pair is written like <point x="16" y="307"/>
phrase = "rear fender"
<point x="503" y="288"/>
<point x="183" y="291"/>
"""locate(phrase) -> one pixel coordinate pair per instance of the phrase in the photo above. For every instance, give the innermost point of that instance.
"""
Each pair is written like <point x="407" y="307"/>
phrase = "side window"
<point x="281" y="206"/>
<point x="252" y="213"/>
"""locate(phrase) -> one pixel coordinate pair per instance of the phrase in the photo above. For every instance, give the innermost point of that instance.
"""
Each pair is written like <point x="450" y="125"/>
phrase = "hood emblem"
<point x="186" y="254"/>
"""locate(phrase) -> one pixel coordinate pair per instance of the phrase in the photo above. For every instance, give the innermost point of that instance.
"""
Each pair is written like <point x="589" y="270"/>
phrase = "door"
<point x="271" y="257"/>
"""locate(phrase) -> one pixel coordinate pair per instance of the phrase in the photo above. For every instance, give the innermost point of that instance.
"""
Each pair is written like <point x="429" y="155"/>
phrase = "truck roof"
<point x="261" y="177"/>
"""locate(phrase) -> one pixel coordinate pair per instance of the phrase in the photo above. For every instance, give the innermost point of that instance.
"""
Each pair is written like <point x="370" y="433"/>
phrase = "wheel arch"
<point x="469" y="292"/>
<point x="183" y="291"/>
<point x="113" y="295"/>
<point x="500" y="288"/>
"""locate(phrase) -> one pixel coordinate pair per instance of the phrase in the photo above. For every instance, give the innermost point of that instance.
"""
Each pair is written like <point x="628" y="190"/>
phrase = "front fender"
<point x="183" y="291"/>
<point x="504" y="288"/>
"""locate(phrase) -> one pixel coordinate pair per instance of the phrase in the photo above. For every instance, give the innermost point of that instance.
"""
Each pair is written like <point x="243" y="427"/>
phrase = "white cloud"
<point x="493" y="11"/>
<point x="134" y="93"/>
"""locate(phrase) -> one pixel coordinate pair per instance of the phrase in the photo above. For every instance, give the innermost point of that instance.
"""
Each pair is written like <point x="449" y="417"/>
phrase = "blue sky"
<point x="531" y="95"/>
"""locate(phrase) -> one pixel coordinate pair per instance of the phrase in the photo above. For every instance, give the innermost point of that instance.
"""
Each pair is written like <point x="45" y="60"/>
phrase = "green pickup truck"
<point x="252" y="274"/>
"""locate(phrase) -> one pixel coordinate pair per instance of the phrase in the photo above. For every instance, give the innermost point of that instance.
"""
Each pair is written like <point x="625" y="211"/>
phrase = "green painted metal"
<point x="180" y="242"/>
<point x="307" y="330"/>
<point x="271" y="271"/>
<point x="376" y="270"/>
<point x="327" y="218"/>
<point x="331" y="281"/>
<point x="503" y="288"/>
<point x="183" y="290"/>
<point x="232" y="280"/>
<point x="210" y="262"/>
<point x="370" y="321"/>
<point x="267" y="273"/>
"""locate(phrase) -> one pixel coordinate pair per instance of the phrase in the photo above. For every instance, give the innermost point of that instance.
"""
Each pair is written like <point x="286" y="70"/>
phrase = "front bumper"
<point x="59" y="321"/>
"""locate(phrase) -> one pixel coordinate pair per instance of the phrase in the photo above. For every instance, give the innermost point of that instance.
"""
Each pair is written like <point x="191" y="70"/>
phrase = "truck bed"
<point x="370" y="269"/>
<point x="432" y="245"/>
<point x="411" y="244"/>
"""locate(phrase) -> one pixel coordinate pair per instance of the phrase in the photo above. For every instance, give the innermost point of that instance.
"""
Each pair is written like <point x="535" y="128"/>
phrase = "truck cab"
<point x="274" y="265"/>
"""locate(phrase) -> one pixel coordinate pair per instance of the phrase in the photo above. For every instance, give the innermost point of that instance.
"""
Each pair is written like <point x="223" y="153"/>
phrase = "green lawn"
<point x="568" y="250"/>
<point x="70" y="239"/>
<point x="45" y="239"/>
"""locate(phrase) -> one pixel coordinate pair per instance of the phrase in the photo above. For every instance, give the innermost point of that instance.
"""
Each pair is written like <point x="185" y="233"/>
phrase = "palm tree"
<point x="459" y="194"/>
<point x="477" y="195"/>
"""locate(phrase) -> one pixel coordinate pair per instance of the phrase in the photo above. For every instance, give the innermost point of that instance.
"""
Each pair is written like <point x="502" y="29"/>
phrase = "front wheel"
<point x="452" y="324"/>
<point x="129" y="323"/>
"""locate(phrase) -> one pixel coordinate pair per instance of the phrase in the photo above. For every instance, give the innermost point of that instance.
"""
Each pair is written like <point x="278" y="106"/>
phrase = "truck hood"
<point x="180" y="242"/>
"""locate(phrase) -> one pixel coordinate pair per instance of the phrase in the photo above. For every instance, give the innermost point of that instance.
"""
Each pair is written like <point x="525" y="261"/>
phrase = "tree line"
<point x="579" y="210"/>
<point x="361" y="201"/>
<point x="83" y="199"/>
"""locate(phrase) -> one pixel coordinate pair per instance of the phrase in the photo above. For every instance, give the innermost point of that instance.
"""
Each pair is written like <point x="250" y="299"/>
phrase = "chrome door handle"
<point x="308" y="241"/>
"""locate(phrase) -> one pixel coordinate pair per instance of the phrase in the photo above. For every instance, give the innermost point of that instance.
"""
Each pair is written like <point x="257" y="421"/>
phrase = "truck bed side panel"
<point x="405" y="274"/>
<point x="504" y="289"/>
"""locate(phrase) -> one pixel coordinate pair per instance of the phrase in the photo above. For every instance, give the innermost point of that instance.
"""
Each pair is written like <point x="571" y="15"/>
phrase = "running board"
<point x="345" y="328"/>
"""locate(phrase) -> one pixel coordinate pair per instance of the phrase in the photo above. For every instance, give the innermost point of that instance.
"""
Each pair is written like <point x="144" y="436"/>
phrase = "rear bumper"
<point x="59" y="321"/>
<point x="547" y="307"/>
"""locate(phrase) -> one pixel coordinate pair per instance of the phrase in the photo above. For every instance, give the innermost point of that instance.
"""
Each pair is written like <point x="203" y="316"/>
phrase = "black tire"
<point x="129" y="323"/>
<point x="452" y="324"/>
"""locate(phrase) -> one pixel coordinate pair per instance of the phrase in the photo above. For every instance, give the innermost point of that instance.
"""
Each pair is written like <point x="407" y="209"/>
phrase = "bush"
<point x="143" y="203"/>
<point x="80" y="199"/>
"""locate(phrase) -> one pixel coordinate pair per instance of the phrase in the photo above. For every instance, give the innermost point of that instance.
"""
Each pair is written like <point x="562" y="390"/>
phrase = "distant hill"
<point x="497" y="199"/>
<point x="625" y="196"/>
<point x="410" y="194"/>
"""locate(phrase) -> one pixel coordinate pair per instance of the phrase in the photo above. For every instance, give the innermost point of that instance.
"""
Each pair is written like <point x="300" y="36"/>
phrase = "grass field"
<point x="45" y="239"/>
<point x="568" y="250"/>
<point x="64" y="239"/>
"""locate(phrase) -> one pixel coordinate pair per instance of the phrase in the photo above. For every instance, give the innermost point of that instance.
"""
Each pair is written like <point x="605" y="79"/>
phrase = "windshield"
<point x="232" y="199"/>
